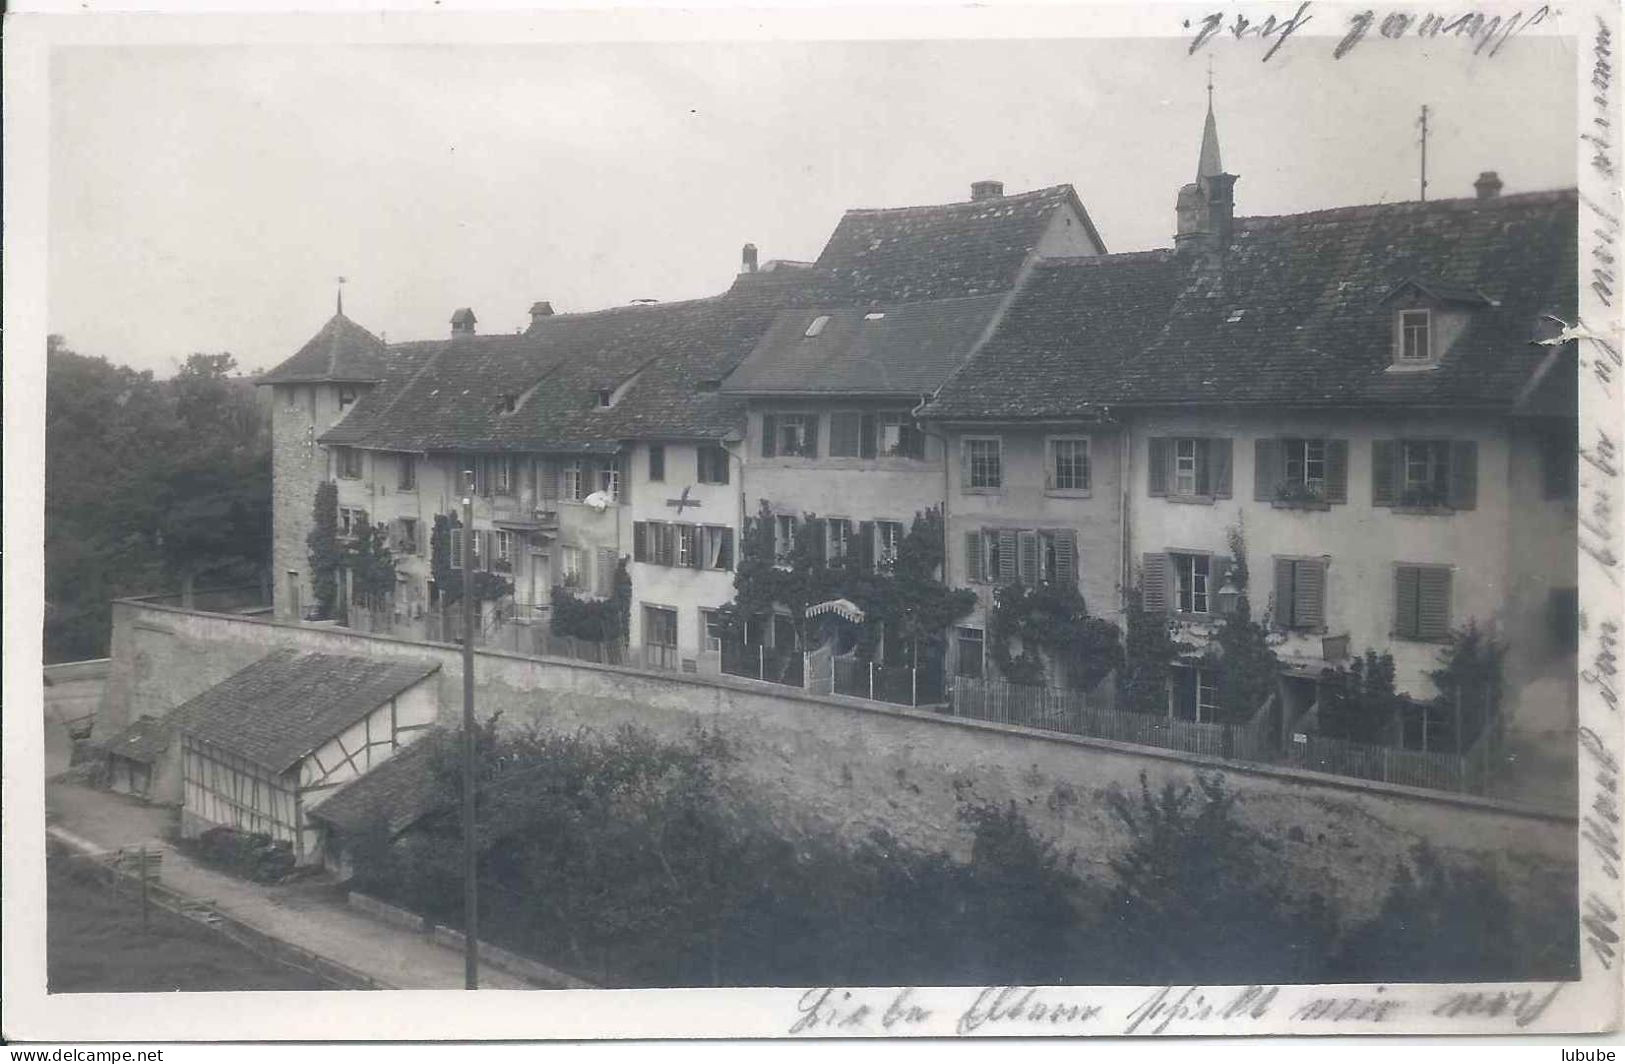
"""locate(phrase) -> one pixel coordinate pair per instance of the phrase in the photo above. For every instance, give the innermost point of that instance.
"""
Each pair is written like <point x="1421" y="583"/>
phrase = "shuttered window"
<point x="1196" y="467"/>
<point x="1154" y="582"/>
<point x="1007" y="564"/>
<point x="685" y="545"/>
<point x="1027" y="557"/>
<point x="1421" y="602"/>
<point x="1193" y="590"/>
<point x="1059" y="561"/>
<point x="1425" y="474"/>
<point x="1300" y="593"/>
<point x="975" y="562"/>
<point x="640" y="541"/>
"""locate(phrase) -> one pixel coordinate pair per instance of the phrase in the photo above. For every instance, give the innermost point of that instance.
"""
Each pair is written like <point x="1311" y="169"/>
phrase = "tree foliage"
<point x="325" y="552"/>
<point x="1359" y="702"/>
<point x="595" y="620"/>
<point x="150" y="485"/>
<point x="448" y="581"/>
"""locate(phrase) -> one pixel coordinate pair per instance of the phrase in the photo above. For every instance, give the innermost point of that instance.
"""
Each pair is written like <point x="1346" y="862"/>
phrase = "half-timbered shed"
<point x="263" y="748"/>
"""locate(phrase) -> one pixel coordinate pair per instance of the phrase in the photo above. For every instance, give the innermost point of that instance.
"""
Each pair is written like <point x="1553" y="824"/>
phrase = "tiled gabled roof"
<point x="341" y="351"/>
<point x="397" y="794"/>
<point x="1299" y="317"/>
<point x="678" y="352"/>
<point x="144" y="740"/>
<point x="890" y="350"/>
<point x="909" y="254"/>
<point x="287" y="704"/>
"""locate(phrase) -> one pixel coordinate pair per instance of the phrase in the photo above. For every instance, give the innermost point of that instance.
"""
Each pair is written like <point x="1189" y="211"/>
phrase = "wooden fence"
<point x="1441" y="770"/>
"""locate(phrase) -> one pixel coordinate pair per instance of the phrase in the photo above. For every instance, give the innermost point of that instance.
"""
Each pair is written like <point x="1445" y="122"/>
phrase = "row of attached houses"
<point x="1361" y="394"/>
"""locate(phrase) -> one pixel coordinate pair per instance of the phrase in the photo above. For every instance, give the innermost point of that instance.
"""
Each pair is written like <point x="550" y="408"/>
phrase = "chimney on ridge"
<point x="540" y="310"/>
<point x="1488" y="185"/>
<point x="747" y="259"/>
<point x="462" y="322"/>
<point x="982" y="190"/>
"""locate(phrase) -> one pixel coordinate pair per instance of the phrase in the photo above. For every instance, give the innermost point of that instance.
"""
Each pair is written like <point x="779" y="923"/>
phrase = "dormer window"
<point x="347" y="395"/>
<point x="605" y="395"/>
<point x="507" y="403"/>
<point x="1415" y="336"/>
<point x="817" y="325"/>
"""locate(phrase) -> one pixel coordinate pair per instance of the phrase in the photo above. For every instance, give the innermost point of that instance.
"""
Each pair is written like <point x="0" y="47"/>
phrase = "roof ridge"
<point x="1365" y="210"/>
<point x="1113" y="259"/>
<point x="1060" y="190"/>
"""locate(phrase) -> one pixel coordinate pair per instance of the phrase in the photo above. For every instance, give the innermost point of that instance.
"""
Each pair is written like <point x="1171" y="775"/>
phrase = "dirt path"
<point x="310" y="914"/>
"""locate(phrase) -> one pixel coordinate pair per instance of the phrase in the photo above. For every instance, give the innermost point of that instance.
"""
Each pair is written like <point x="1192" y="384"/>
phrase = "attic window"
<point x="1415" y="336"/>
<point x="817" y="325"/>
<point x="874" y="315"/>
<point x="347" y="395"/>
<point x="1235" y="316"/>
<point x="604" y="397"/>
<point x="508" y="403"/>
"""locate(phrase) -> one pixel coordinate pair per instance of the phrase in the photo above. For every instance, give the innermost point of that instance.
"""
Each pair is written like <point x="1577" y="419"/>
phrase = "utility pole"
<point x="471" y="901"/>
<point x="1424" y="124"/>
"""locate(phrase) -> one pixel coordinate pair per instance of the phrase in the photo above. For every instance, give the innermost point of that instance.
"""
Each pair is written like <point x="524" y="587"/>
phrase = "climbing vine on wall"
<point x="325" y="553"/>
<point x="596" y="620"/>
<point x="1247" y="666"/>
<point x="1053" y="627"/>
<point x="488" y="586"/>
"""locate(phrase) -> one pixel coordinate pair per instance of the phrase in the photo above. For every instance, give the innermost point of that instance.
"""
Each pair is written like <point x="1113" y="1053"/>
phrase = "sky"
<point x="208" y="198"/>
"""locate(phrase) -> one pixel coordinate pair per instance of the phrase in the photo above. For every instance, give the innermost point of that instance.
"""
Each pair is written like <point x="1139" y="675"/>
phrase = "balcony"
<point x="521" y="514"/>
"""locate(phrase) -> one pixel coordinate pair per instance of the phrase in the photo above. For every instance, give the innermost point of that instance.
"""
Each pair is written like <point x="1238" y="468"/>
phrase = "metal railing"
<point x="1074" y="712"/>
<point x="899" y="685"/>
<point x="757" y="662"/>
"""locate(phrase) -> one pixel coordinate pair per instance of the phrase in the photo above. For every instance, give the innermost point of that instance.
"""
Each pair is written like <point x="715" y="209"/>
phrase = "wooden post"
<point x="146" y="919"/>
<point x="871" y="680"/>
<point x="914" y="686"/>
<point x="1458" y="721"/>
<point x="761" y="659"/>
<point x="471" y="927"/>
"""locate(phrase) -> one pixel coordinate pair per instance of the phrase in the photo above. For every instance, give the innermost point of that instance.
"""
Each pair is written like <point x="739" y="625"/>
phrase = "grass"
<point x="95" y="944"/>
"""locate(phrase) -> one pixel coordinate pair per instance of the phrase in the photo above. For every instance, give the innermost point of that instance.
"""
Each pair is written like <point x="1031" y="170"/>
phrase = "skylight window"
<point x="874" y="315"/>
<point x="817" y="325"/>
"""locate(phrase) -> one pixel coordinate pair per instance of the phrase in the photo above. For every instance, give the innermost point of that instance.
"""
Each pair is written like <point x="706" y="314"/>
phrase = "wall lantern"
<point x="1228" y="595"/>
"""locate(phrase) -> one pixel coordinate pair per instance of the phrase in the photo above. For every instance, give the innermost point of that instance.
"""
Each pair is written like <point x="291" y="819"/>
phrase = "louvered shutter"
<point x="487" y="541"/>
<point x="1384" y="472"/>
<point x="547" y="478"/>
<point x="975" y="570"/>
<point x="725" y="559"/>
<point x="1463" y="474"/>
<point x="668" y="544"/>
<point x="696" y="552"/>
<point x="866" y="545"/>
<point x="810" y="426"/>
<point x="1337" y="471"/>
<point x="770" y="435"/>
<point x="1154" y="583"/>
<point x="606" y="571"/>
<point x="1266" y="468"/>
<point x="1159" y="455"/>
<point x="1066" y="556"/>
<point x="1007" y="557"/>
<point x="1218" y="461"/>
<point x="1309" y="595"/>
<point x="866" y="436"/>
<point x="1027" y="558"/>
<point x="640" y="546"/>
<point x="1285" y="603"/>
<point x="1433" y="603"/>
<point x="455" y="549"/>
<point x="1406" y="593"/>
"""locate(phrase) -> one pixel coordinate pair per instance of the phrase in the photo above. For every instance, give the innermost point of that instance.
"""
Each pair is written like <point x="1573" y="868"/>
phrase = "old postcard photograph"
<point x="812" y="522"/>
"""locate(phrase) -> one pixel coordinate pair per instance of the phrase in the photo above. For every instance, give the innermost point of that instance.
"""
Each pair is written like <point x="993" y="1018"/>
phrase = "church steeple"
<point x="1208" y="165"/>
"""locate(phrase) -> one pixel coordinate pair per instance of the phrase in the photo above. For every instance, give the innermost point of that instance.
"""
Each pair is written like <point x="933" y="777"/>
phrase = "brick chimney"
<point x="747" y="259"/>
<point x="462" y="322"/>
<point x="1488" y="185"/>
<point x="984" y="190"/>
<point x="539" y="310"/>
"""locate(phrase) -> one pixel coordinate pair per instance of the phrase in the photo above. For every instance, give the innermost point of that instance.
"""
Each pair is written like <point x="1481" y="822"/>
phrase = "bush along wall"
<point x="633" y="861"/>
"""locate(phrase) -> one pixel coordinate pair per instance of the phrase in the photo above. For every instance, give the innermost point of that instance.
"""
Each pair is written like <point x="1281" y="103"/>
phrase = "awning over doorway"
<point x="846" y="609"/>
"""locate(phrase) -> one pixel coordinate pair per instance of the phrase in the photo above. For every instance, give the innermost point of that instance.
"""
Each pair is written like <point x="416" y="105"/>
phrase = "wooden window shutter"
<point x="1007" y="556"/>
<point x="1463" y="474"/>
<point x="640" y="545"/>
<point x="1049" y="465"/>
<point x="975" y="569"/>
<point x="1433" y="603"/>
<point x="1218" y="460"/>
<point x="1027" y="563"/>
<point x="866" y="545"/>
<point x="818" y="529"/>
<point x="606" y="571"/>
<point x="770" y="435"/>
<point x="1384" y="472"/>
<point x="1309" y="595"/>
<point x="1066" y="556"/>
<point x="1159" y="455"/>
<point x="547" y="478"/>
<point x="726" y="559"/>
<point x="1337" y="471"/>
<point x="1285" y="601"/>
<point x="483" y="549"/>
<point x="696" y="553"/>
<point x="668" y="543"/>
<point x="1154" y="583"/>
<point x="455" y="549"/>
<point x="867" y="437"/>
<point x="397" y="535"/>
<point x="1266" y="468"/>
<point x="1406" y="595"/>
<point x="810" y="450"/>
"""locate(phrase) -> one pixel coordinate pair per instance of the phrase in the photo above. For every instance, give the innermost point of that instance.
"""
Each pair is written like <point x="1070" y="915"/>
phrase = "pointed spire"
<point x="1209" y="165"/>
